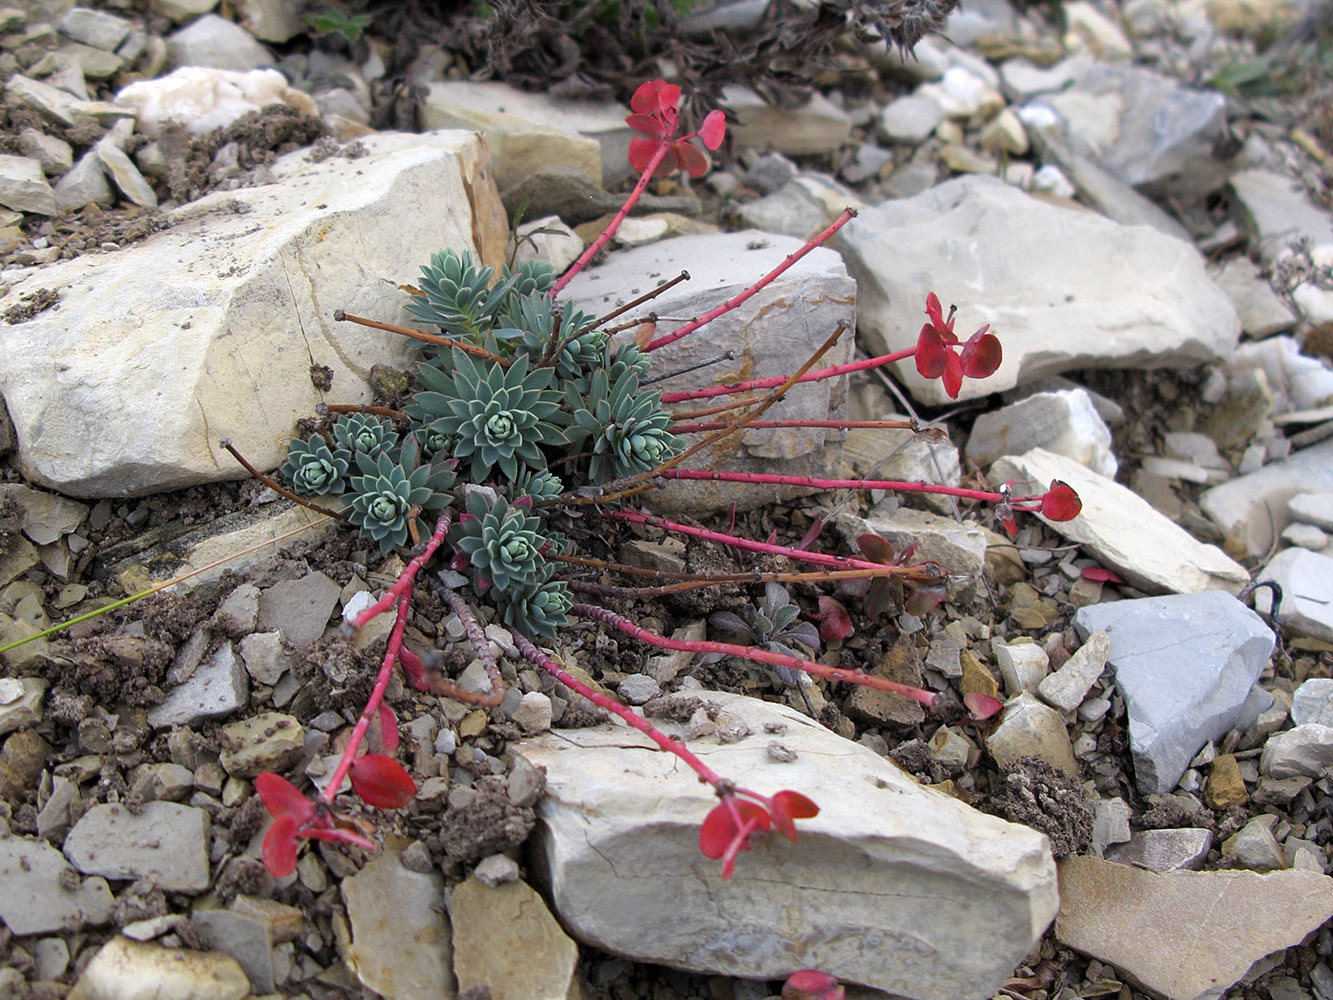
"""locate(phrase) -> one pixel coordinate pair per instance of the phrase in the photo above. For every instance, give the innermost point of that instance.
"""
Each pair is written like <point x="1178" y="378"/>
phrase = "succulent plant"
<point x="534" y="321"/>
<point x="497" y="416"/>
<point x="539" y="608"/>
<point x="502" y="542"/>
<point x="540" y="485"/>
<point x="389" y="492"/>
<point x="458" y="296"/>
<point x="625" y="426"/>
<point x="313" y="468"/>
<point x="364" y="434"/>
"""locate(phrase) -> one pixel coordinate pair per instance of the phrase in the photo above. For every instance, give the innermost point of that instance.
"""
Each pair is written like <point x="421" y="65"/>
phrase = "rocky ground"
<point x="1155" y="254"/>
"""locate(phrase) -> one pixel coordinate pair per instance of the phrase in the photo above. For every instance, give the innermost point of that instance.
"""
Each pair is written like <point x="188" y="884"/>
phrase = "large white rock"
<point x="893" y="885"/>
<point x="1251" y="508"/>
<point x="203" y="98"/>
<point x="772" y="333"/>
<point x="1021" y="264"/>
<point x="1065" y="422"/>
<point x="1123" y="530"/>
<point x="207" y="331"/>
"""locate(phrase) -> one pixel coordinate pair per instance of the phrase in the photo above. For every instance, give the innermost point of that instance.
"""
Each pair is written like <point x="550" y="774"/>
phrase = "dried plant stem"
<point x="768" y="383"/>
<point x="708" y="411"/>
<point x="754" y="654"/>
<point x="726" y="307"/>
<point x="844" y="484"/>
<point x="769" y="424"/>
<point x="636" y="302"/>
<point x="480" y="645"/>
<point x="278" y="488"/>
<point x="536" y="657"/>
<point x="425" y="338"/>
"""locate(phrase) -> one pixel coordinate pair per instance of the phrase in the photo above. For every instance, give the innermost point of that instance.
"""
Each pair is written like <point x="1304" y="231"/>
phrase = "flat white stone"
<point x="1065" y="422"/>
<point x="123" y="969"/>
<point x="1306" y="579"/>
<point x="1068" y="686"/>
<point x="203" y="98"/>
<point x="33" y="899"/>
<point x="165" y="840"/>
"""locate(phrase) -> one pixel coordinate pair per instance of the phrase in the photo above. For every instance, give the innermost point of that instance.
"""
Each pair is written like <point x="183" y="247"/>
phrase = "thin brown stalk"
<point x="278" y="488"/>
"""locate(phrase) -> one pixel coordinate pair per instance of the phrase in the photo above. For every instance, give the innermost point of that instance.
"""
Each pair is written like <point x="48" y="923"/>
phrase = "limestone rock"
<point x="1313" y="702"/>
<point x="129" y="970"/>
<point x="400" y="938"/>
<point x="1305" y="750"/>
<point x="1151" y="301"/>
<point x="1068" y="686"/>
<point x="129" y="386"/>
<point x="23" y="186"/>
<point x="771" y="334"/>
<point x="856" y="896"/>
<point x="1032" y="729"/>
<point x="214" y="41"/>
<point x="20" y="702"/>
<point x="1306" y="579"/>
<point x="818" y="126"/>
<point x="1123" y="531"/>
<point x="203" y="98"/>
<point x="1065" y="423"/>
<point x="215" y="689"/>
<point x="1185" y="665"/>
<point x="959" y="548"/>
<point x="1247" y="507"/>
<point x="1262" y="313"/>
<point x="1187" y="935"/>
<point x="268" y="742"/>
<point x="1278" y="214"/>
<point x="299" y="609"/>
<point x="1164" y="850"/>
<point x="165" y="840"/>
<point x="33" y="898"/>
<point x="506" y="939"/>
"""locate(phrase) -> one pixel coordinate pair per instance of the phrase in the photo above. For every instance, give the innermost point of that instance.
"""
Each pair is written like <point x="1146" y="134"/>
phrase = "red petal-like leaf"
<point x="719" y="829"/>
<point x="388" y="729"/>
<point x="875" y="548"/>
<point x="1061" y="503"/>
<point x="714" y="129"/>
<point x="811" y="984"/>
<point x="934" y="310"/>
<point x="282" y="798"/>
<point x="923" y="598"/>
<point x="647" y="99"/>
<point x="1101" y="574"/>
<point x="789" y="807"/>
<point x="649" y="125"/>
<point x="382" y="782"/>
<point x="952" y="380"/>
<point x="413" y="668"/>
<point x="691" y="159"/>
<point x="641" y="151"/>
<point x="280" y="846"/>
<point x="982" y="354"/>
<point x="982" y="706"/>
<point x="932" y="356"/>
<point x="835" y="624"/>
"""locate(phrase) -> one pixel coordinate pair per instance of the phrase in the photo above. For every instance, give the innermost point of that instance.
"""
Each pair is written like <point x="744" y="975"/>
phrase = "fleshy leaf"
<point x="932" y="356"/>
<point x="952" y="380"/>
<point x="388" y="728"/>
<point x="382" y="782"/>
<point x="875" y="548"/>
<point x="982" y="354"/>
<point x="812" y="984"/>
<point x="690" y="159"/>
<point x="719" y="829"/>
<point x="835" y="624"/>
<point x="714" y="129"/>
<point x="1061" y="503"/>
<point x="280" y="846"/>
<point x="981" y="706"/>
<point x="1101" y="574"/>
<point x="641" y="151"/>
<point x="787" y="808"/>
<point x="282" y="798"/>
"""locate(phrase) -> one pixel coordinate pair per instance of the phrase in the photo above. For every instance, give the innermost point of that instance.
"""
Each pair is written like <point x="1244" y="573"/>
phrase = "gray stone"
<point x="123" y="970"/>
<point x="33" y="899"/>
<point x="163" y="782"/>
<point x="1305" y="750"/>
<point x="1110" y="823"/>
<point x="239" y="612"/>
<point x="270" y="20"/>
<point x="1313" y="508"/>
<point x="1247" y="508"/>
<point x="771" y="334"/>
<point x="1278" y="213"/>
<point x="265" y="658"/>
<point x="817" y="126"/>
<point x="1151" y="301"/>
<point x="61" y="107"/>
<point x="214" y="41"/>
<point x="910" y="118"/>
<point x="165" y="840"/>
<point x="216" y="688"/>
<point x="268" y="742"/>
<point x="55" y="155"/>
<point x="1022" y="665"/>
<point x="299" y="609"/>
<point x="1029" y="728"/>
<point x="1068" y="686"/>
<point x="1184" y="665"/>
<point x="1186" y="935"/>
<point x="802" y="208"/>
<point x="534" y="712"/>
<point x="84" y="184"/>
<point x="125" y="174"/>
<point x="506" y="941"/>
<point x="1306" y="579"/>
<point x="959" y="548"/>
<point x="1065" y="423"/>
<point x="1123" y="530"/>
<point x="399" y="943"/>
<point x="220" y="343"/>
<point x="20" y="702"/>
<point x="618" y="842"/>
<point x="246" y="939"/>
<point x="1254" y="846"/>
<point x="23" y="186"/>
<point x="900" y="455"/>
<point x="1313" y="702"/>
<point x="1164" y="850"/>
<point x="636" y="689"/>
<point x="1262" y="312"/>
<point x="94" y="27"/>
<point x="181" y="11"/>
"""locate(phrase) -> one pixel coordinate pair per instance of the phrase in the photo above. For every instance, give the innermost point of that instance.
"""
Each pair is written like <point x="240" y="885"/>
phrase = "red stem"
<point x="754" y="654"/>
<point x="712" y="314"/>
<point x="776" y="380"/>
<point x="841" y="484"/>
<point x="763" y="424"/>
<point x="534" y="655"/>
<point x="658" y="155"/>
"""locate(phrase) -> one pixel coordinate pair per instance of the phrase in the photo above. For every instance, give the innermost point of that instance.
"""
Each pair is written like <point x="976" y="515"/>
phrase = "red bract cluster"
<point x="811" y="984"/>
<point x="727" y="829"/>
<point x="378" y="779"/>
<point x="656" y="115"/>
<point x="938" y="354"/>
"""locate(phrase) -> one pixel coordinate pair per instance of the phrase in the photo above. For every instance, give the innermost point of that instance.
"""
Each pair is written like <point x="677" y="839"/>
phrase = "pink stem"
<point x="777" y="380"/>
<point x="735" y="541"/>
<point x="659" y="154"/>
<point x="839" y="484"/>
<point x="712" y="314"/>
<point x="534" y="655"/>
<point x="404" y="583"/>
<point x="754" y="654"/>
<point x="720" y="425"/>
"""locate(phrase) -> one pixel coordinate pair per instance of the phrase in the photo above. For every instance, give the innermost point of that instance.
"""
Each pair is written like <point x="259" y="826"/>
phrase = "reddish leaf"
<point x="931" y="354"/>
<point x="655" y="97"/>
<point x="649" y="125"/>
<point x="981" y="706"/>
<point x="282" y="798"/>
<point x="982" y="354"/>
<point x="922" y="599"/>
<point x="935" y="312"/>
<point x="641" y="150"/>
<point x="789" y="807"/>
<point x="835" y="624"/>
<point x="719" y="830"/>
<point x="388" y="728"/>
<point x="714" y="129"/>
<point x="811" y="984"/>
<point x="1061" y="503"/>
<point x="1101" y="574"/>
<point x="690" y="159"/>
<point x="953" y="375"/>
<point x="875" y="549"/>
<point x="382" y="782"/>
<point x="280" y="846"/>
<point x="644" y="333"/>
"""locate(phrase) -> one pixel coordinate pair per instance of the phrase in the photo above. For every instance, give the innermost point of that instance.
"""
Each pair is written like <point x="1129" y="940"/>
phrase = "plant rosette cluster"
<point x="527" y="406"/>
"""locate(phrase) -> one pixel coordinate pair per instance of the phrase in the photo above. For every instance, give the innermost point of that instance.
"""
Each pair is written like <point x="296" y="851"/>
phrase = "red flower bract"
<point x="1061" y="503"/>
<point x="382" y="782"/>
<point x="295" y="818"/>
<point x="655" y="117"/>
<point x="811" y="984"/>
<point x="938" y="355"/>
<point x="788" y="807"/>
